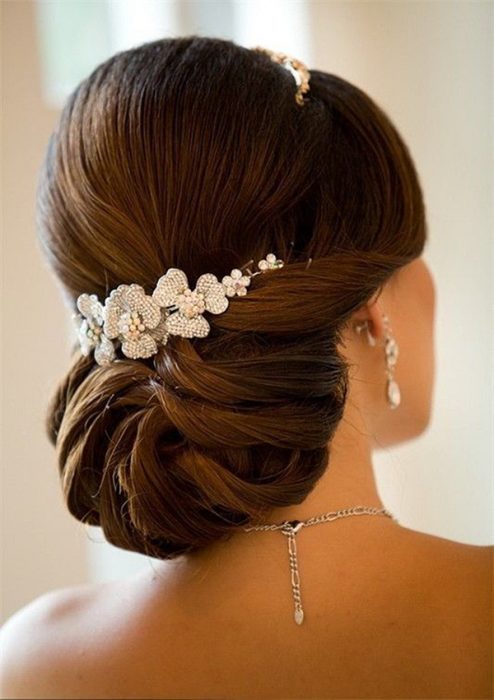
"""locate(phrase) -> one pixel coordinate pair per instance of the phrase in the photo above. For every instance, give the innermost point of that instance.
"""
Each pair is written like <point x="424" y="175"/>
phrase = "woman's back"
<point x="392" y="614"/>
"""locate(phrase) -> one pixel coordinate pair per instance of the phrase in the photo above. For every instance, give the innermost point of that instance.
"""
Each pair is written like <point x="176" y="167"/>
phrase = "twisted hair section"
<point x="153" y="165"/>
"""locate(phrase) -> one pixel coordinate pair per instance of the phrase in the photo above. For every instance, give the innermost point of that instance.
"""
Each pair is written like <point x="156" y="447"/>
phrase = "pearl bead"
<point x="393" y="391"/>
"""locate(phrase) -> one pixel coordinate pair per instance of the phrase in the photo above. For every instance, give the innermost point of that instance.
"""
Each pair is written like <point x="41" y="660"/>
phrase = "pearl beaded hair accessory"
<point x="141" y="322"/>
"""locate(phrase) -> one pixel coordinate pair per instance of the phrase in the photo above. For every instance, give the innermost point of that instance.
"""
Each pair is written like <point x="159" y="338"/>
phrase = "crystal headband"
<point x="296" y="67"/>
<point x="141" y="322"/>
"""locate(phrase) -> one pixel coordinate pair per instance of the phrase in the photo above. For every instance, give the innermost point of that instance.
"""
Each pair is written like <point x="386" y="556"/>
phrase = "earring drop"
<point x="391" y="351"/>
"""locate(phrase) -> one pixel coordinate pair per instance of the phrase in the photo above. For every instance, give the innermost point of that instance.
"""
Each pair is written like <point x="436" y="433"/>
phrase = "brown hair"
<point x="191" y="152"/>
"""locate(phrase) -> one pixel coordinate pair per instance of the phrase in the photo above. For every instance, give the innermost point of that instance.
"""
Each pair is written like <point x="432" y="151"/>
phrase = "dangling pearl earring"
<point x="391" y="353"/>
<point x="391" y="350"/>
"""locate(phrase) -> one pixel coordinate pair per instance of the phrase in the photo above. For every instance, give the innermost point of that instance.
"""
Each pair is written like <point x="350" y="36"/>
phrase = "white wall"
<point x="429" y="65"/>
<point x="43" y="547"/>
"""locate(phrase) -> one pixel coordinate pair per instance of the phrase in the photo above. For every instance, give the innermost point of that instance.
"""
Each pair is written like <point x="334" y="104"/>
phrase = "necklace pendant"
<point x="290" y="528"/>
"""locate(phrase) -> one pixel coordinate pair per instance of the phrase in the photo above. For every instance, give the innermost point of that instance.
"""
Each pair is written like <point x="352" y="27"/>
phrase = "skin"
<point x="390" y="612"/>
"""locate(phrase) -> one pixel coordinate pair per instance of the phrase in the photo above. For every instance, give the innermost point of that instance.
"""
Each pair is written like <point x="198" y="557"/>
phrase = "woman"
<point x="198" y="410"/>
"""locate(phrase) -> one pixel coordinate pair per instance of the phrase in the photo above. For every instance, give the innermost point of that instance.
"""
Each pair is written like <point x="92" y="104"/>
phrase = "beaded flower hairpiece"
<point x="141" y="322"/>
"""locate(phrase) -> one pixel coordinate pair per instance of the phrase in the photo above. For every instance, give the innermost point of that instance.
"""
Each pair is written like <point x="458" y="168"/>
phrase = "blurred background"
<point x="430" y="66"/>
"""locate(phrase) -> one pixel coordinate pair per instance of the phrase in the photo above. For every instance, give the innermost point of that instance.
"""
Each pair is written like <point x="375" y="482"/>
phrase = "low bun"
<point x="153" y="166"/>
<point x="170" y="458"/>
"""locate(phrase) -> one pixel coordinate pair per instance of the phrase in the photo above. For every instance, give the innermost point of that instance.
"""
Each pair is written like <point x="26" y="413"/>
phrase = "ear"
<point x="376" y="321"/>
<point x="372" y="312"/>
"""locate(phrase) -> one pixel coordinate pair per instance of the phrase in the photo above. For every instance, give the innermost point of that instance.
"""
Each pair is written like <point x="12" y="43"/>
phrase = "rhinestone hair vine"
<point x="297" y="68"/>
<point x="141" y="322"/>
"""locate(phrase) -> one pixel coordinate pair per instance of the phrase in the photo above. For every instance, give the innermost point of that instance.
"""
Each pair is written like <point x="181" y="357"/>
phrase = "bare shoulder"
<point x="48" y="647"/>
<point x="456" y="571"/>
<point x="455" y="582"/>
<point x="29" y="642"/>
<point x="454" y="563"/>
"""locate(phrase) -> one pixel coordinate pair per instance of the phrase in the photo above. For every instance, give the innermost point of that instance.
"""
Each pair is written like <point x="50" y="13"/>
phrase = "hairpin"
<point x="297" y="68"/>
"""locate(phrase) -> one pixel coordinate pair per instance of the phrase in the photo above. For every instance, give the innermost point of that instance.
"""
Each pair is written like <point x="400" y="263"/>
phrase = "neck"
<point x="347" y="482"/>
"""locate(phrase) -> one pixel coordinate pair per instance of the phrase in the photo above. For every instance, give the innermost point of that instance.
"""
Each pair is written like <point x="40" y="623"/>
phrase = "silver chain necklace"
<point x="290" y="529"/>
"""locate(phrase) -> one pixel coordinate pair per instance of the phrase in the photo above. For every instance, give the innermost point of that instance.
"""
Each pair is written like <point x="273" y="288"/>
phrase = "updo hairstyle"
<point x="191" y="152"/>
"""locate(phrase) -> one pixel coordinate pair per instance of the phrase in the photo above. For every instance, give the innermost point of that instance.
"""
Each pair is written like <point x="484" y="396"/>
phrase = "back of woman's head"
<point x="193" y="153"/>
